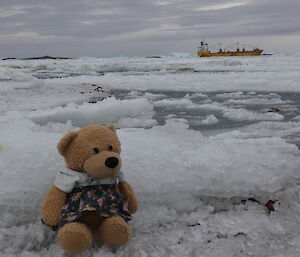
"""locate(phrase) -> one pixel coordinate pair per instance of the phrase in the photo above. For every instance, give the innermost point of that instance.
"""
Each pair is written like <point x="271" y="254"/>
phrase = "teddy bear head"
<point x="93" y="149"/>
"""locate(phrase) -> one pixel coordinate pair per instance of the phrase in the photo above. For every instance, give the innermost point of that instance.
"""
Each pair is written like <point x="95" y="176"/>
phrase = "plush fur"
<point x="77" y="148"/>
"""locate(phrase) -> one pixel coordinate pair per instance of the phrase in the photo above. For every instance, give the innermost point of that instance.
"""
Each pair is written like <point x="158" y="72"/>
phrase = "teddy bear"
<point x="90" y="195"/>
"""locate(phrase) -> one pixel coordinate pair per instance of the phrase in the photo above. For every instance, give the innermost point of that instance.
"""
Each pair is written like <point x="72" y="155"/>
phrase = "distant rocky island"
<point x="37" y="58"/>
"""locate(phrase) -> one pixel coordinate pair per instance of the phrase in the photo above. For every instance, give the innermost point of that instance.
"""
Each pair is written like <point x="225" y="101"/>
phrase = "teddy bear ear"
<point x="111" y="127"/>
<point x="64" y="143"/>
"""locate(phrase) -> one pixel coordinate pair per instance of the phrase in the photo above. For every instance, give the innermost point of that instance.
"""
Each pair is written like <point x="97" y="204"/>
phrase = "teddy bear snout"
<point x="111" y="162"/>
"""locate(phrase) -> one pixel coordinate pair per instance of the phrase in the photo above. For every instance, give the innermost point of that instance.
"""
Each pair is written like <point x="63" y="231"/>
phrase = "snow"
<point x="262" y="101"/>
<point x="108" y="110"/>
<point x="210" y="119"/>
<point x="200" y="147"/>
<point x="182" y="103"/>
<point x="204" y="160"/>
<point x="242" y="114"/>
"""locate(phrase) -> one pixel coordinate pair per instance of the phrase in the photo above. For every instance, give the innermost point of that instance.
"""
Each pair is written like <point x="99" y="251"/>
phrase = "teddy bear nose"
<point x="111" y="162"/>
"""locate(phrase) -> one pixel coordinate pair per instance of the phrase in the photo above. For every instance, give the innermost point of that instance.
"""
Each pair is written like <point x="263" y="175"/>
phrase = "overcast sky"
<point x="106" y="28"/>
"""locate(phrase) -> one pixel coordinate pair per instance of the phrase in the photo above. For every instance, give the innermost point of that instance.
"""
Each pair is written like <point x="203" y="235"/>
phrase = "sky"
<point x="108" y="28"/>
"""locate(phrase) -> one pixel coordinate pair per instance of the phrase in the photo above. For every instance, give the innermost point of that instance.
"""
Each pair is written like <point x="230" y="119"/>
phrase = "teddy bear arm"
<point x="131" y="198"/>
<point x="52" y="205"/>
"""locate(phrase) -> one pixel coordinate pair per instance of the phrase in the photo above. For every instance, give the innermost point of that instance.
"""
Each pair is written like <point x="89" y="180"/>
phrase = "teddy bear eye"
<point x="109" y="148"/>
<point x="96" y="150"/>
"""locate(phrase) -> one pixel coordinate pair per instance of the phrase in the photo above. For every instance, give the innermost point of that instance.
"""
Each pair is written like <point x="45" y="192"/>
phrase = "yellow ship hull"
<point x="255" y="52"/>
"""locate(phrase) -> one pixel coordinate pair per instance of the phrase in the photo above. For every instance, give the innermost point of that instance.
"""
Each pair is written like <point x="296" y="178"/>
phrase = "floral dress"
<point x="103" y="199"/>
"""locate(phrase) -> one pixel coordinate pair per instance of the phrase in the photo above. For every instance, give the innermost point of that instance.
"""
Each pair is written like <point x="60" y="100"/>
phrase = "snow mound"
<point x="28" y="163"/>
<point x="17" y="75"/>
<point x="182" y="103"/>
<point x="210" y="119"/>
<point x="221" y="167"/>
<point x="257" y="101"/>
<point x="239" y="114"/>
<point x="243" y="114"/>
<point x="122" y="112"/>
<point x="232" y="95"/>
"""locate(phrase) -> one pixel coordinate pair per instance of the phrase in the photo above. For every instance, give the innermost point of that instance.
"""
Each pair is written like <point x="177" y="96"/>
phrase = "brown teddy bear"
<point x="90" y="195"/>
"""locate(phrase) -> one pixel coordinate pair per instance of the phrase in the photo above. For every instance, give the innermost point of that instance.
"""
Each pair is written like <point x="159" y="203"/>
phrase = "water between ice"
<point x="214" y="112"/>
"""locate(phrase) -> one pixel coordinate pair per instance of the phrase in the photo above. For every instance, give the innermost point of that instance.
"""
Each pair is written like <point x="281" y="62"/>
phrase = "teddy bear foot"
<point x="74" y="237"/>
<point x="114" y="231"/>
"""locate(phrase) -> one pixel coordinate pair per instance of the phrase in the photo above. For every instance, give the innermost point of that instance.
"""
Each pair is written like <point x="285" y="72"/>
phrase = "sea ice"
<point x="243" y="114"/>
<point x="108" y="110"/>
<point x="178" y="104"/>
<point x="201" y="193"/>
<point x="210" y="119"/>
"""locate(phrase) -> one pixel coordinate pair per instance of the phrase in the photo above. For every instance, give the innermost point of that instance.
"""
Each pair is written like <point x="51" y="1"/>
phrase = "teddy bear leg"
<point x="114" y="231"/>
<point x="75" y="237"/>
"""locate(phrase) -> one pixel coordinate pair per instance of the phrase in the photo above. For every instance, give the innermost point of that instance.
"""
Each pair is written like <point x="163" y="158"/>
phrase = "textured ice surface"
<point x="108" y="110"/>
<point x="210" y="119"/>
<point x="178" y="175"/>
<point x="179" y="104"/>
<point x="202" y="193"/>
<point x="266" y="73"/>
<point x="227" y="167"/>
<point x="242" y="114"/>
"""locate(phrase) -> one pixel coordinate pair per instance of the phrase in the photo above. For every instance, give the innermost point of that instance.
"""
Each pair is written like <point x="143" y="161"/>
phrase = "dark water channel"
<point x="285" y="104"/>
<point x="288" y="107"/>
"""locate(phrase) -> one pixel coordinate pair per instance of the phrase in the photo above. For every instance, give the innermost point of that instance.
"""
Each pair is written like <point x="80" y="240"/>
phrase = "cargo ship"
<point x="204" y="51"/>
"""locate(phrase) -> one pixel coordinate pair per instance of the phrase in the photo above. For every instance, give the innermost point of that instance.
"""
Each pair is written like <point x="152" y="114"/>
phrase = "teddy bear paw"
<point x="114" y="231"/>
<point x="74" y="237"/>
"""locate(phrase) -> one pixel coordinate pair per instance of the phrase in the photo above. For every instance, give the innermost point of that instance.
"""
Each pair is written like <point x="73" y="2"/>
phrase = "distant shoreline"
<point x="37" y="58"/>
